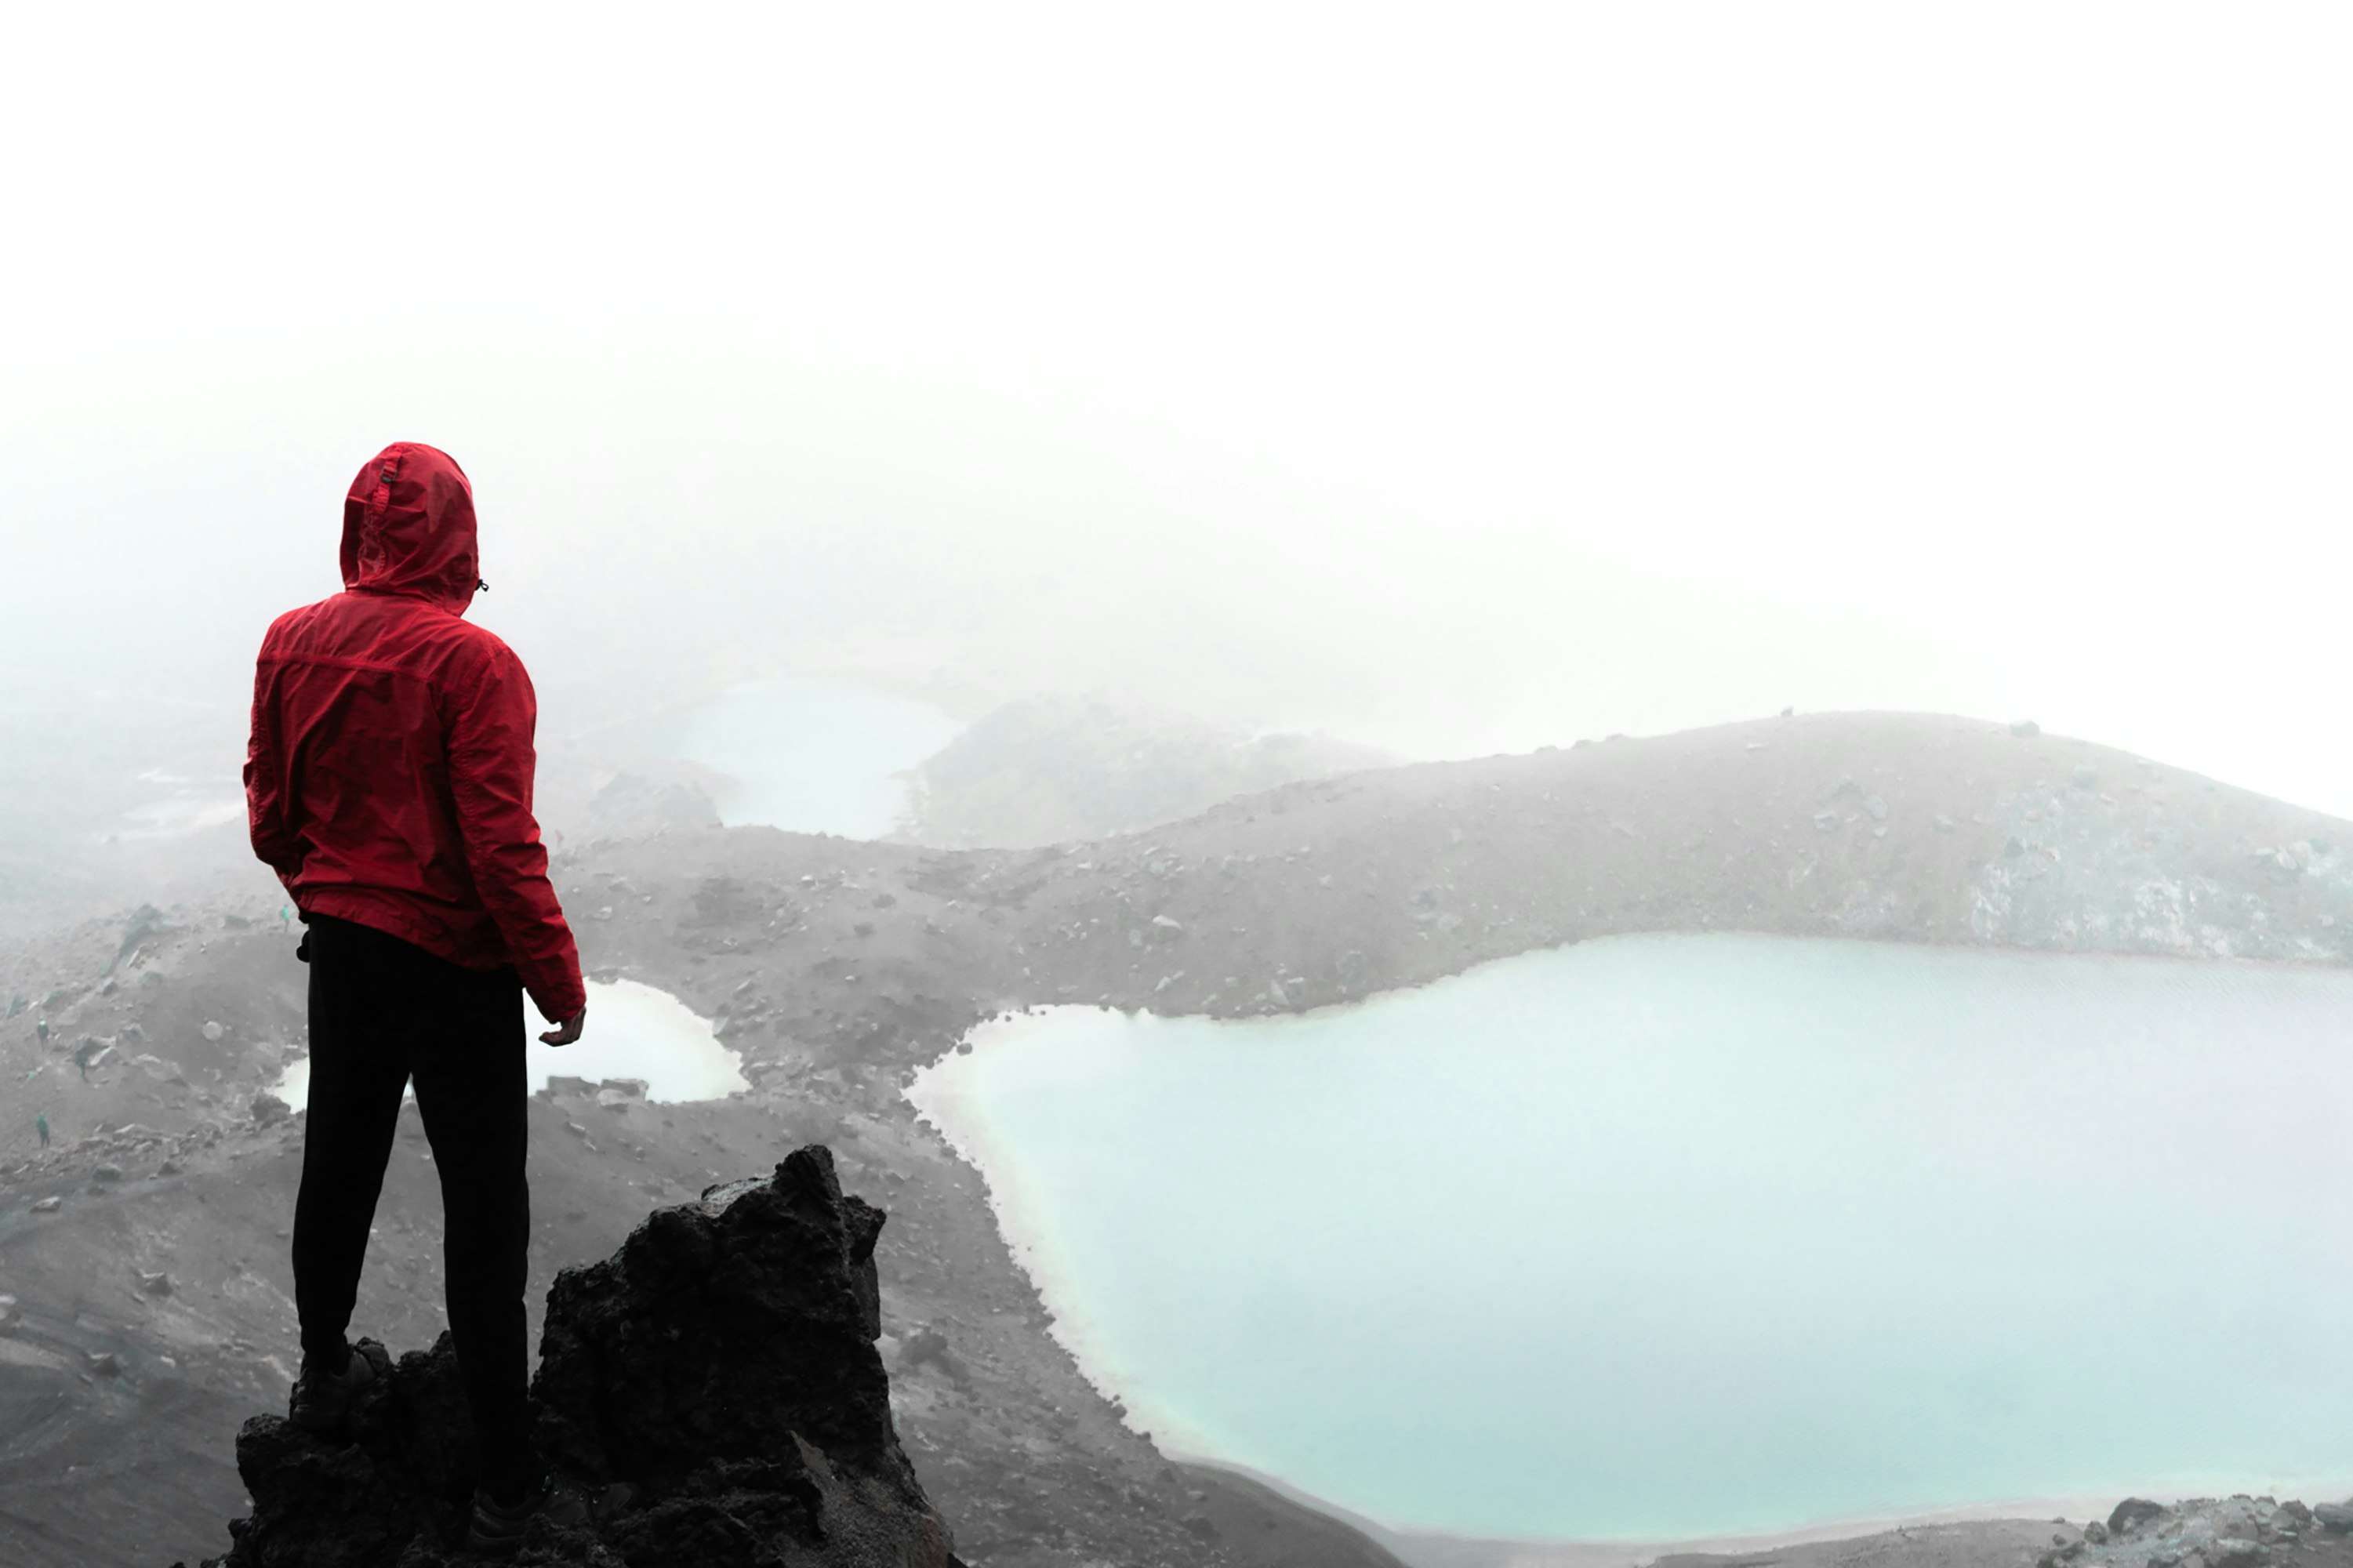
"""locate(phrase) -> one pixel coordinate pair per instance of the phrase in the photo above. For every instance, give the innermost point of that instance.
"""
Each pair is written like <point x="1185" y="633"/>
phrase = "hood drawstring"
<point x="481" y="585"/>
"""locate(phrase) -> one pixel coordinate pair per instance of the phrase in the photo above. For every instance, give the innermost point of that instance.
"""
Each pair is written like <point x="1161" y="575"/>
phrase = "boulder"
<point x="928" y="1345"/>
<point x="635" y="808"/>
<point x="711" y="1393"/>
<point x="2131" y="1514"/>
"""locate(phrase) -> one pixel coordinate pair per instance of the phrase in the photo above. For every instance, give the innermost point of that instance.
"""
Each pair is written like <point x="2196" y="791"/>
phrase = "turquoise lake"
<point x="1665" y="1236"/>
<point x="810" y="755"/>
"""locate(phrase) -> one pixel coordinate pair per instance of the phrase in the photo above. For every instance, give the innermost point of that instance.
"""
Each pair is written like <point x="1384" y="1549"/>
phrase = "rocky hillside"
<point x="837" y="967"/>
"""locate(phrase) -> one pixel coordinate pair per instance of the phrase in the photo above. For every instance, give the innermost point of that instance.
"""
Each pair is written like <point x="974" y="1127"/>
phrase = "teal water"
<point x="812" y="755"/>
<point x="1677" y="1236"/>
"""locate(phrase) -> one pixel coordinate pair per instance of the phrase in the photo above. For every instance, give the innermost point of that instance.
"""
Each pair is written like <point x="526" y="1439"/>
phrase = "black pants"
<point x="384" y="1011"/>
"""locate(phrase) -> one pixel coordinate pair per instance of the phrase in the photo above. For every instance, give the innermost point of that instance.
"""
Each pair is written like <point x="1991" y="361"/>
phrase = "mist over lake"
<point x="812" y="755"/>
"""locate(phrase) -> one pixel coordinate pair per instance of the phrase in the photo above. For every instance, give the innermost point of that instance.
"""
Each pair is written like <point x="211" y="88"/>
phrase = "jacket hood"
<point x="409" y="528"/>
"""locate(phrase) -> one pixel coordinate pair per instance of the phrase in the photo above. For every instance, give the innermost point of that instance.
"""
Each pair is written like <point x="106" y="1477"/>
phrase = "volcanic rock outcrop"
<point x="709" y="1394"/>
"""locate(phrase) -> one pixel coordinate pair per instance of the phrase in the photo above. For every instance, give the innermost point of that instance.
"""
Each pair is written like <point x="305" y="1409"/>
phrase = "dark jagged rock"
<point x="711" y="1393"/>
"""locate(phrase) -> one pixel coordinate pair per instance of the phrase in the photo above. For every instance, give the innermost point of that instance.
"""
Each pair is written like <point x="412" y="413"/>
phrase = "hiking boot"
<point x="323" y="1400"/>
<point x="498" y="1527"/>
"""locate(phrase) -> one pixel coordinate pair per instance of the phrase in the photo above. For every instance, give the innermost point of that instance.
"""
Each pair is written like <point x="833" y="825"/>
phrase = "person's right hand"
<point x="566" y="1032"/>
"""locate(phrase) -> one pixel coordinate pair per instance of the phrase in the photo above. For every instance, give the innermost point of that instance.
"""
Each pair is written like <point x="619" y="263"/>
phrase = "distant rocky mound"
<point x="630" y="805"/>
<point x="709" y="1394"/>
<point x="1057" y="770"/>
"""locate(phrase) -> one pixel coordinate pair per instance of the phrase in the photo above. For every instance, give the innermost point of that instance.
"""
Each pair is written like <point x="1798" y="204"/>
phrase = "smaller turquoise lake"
<point x="634" y="1031"/>
<point x="1658" y="1238"/>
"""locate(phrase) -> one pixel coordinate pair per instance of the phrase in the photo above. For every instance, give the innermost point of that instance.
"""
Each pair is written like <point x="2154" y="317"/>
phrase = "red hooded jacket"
<point x="388" y="777"/>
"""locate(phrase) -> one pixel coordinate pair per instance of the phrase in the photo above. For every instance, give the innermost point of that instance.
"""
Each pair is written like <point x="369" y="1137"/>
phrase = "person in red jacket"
<point x="388" y="783"/>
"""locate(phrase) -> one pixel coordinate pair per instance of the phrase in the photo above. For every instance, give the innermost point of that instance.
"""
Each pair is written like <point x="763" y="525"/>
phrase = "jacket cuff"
<point x="558" y="1001"/>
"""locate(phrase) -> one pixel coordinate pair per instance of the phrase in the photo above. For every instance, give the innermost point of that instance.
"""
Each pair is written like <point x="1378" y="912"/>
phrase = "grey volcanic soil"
<point x="837" y="967"/>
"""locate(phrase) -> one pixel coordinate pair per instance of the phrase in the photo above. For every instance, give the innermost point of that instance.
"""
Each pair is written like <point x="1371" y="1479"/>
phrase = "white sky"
<point x="1455" y="379"/>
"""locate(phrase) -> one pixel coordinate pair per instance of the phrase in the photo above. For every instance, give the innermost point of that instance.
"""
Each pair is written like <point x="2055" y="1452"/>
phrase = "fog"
<point x="1446" y="383"/>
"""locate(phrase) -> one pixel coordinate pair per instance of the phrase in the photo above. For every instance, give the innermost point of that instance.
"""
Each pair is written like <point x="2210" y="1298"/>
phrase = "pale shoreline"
<point x="936" y="1102"/>
<point x="2027" y="1519"/>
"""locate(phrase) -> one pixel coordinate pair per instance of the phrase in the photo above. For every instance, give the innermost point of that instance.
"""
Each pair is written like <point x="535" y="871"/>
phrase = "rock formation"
<point x="2240" y="1531"/>
<point x="709" y="1394"/>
